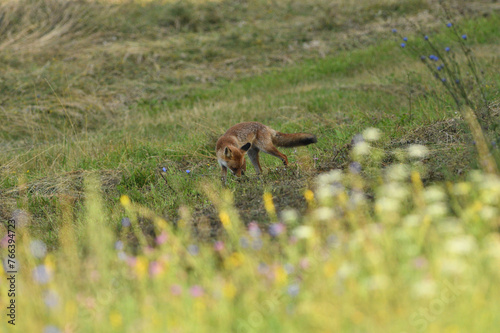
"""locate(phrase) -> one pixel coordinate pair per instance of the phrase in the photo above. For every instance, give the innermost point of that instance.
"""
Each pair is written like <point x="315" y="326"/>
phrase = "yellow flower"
<point x="125" y="200"/>
<point x="329" y="270"/>
<point x="141" y="266"/>
<point x="268" y="203"/>
<point x="280" y="275"/>
<point x="115" y="319"/>
<point x="309" y="195"/>
<point x="229" y="290"/>
<point x="235" y="260"/>
<point x="225" y="220"/>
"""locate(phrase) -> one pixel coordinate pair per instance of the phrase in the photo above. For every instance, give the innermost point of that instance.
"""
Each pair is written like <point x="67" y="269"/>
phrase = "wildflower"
<point x="268" y="203"/>
<point x="423" y="58"/>
<point x="405" y="39"/>
<point x="51" y="329"/>
<point x="188" y="171"/>
<point x="403" y="45"/>
<point x="289" y="216"/>
<point x="457" y="81"/>
<point x="193" y="249"/>
<point x="309" y="195"/>
<point x="447" y="49"/>
<point x="119" y="245"/>
<point x="426" y="37"/>
<point x="175" y="289"/>
<point x="304" y="263"/>
<point x="164" y="169"/>
<point x="437" y="209"/>
<point x="116" y="319"/>
<point x="439" y="67"/>
<point x="323" y="213"/>
<point x="218" y="246"/>
<point x="225" y="220"/>
<point x="161" y="238"/>
<point x="51" y="299"/>
<point x="303" y="232"/>
<point x="355" y="167"/>
<point x="394" y="30"/>
<point x="452" y="266"/>
<point x="155" y="268"/>
<point x="371" y="134"/>
<point x="461" y="244"/>
<point x="41" y="274"/>
<point x="417" y="151"/>
<point x="449" y="25"/>
<point x="125" y="200"/>
<point x="254" y="230"/>
<point x="122" y="256"/>
<point x="361" y="149"/>
<point x="443" y="79"/>
<point x="229" y="290"/>
<point x="125" y="222"/>
<point x="424" y="289"/>
<point x="464" y="36"/>
<point x="358" y="138"/>
<point x="38" y="248"/>
<point x="276" y="229"/>
<point x="293" y="289"/>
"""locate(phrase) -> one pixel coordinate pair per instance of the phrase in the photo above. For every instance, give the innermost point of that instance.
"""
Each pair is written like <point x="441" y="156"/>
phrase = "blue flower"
<point x="126" y="222"/>
<point x="426" y="37"/>
<point x="423" y="57"/>
<point x="433" y="57"/>
<point x="464" y="36"/>
<point x="449" y="25"/>
<point x="405" y="39"/>
<point x="457" y="81"/>
<point x="447" y="49"/>
<point x="394" y="30"/>
<point x="443" y="79"/>
<point x="439" y="68"/>
<point x="403" y="44"/>
<point x="164" y="169"/>
<point x="188" y="171"/>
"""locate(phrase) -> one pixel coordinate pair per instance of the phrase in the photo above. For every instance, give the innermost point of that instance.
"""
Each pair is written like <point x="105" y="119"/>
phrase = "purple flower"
<point x="175" y="289"/>
<point x="394" y="30"/>
<point x="464" y="36"/>
<point x="276" y="229"/>
<point x="447" y="49"/>
<point x="254" y="230"/>
<point x="119" y="245"/>
<point x="403" y="45"/>
<point x="426" y="37"/>
<point x="218" y="246"/>
<point x="449" y="25"/>
<point x="161" y="238"/>
<point x="164" y="169"/>
<point x="355" y="167"/>
<point x="51" y="329"/>
<point x="193" y="249"/>
<point x="41" y="274"/>
<point x="196" y="291"/>
<point x="293" y="289"/>
<point x="443" y="79"/>
<point x="126" y="222"/>
<point x="405" y="39"/>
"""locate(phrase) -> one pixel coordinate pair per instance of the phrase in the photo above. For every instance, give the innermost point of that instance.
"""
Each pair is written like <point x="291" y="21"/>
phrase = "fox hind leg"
<point x="253" y="154"/>
<point x="275" y="152"/>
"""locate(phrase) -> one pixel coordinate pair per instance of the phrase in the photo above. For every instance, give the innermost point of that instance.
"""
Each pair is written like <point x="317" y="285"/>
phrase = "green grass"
<point x="111" y="93"/>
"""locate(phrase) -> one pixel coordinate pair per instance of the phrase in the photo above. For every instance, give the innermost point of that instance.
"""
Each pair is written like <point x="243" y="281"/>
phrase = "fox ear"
<point x="246" y="146"/>
<point x="228" y="153"/>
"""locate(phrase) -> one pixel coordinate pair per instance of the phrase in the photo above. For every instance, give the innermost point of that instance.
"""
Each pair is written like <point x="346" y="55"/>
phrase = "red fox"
<point x="250" y="138"/>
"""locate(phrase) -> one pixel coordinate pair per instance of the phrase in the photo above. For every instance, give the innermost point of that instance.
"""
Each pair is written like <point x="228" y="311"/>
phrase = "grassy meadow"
<point x="109" y="115"/>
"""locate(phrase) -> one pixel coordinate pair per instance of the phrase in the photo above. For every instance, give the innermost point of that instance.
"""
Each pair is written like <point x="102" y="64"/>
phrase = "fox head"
<point x="235" y="158"/>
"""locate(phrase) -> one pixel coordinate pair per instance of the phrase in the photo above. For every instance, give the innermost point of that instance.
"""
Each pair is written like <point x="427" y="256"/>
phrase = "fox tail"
<point x="293" y="140"/>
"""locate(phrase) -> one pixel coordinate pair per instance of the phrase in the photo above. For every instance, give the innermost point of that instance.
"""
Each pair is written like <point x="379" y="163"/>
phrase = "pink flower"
<point x="155" y="268"/>
<point x="175" y="290"/>
<point x="161" y="238"/>
<point x="196" y="291"/>
<point x="218" y="246"/>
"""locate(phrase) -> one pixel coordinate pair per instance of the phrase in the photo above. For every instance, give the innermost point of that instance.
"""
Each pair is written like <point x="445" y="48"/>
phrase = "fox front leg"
<point x="223" y="173"/>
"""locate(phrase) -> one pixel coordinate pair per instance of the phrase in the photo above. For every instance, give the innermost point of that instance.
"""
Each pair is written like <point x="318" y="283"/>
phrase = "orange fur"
<point x="251" y="138"/>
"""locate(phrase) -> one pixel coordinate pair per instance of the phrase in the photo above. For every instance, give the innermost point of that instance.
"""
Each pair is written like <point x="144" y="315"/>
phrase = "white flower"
<point x="397" y="172"/>
<point x="418" y="151"/>
<point x="425" y="288"/>
<point x="394" y="190"/>
<point x="461" y="245"/>
<point x="387" y="205"/>
<point x="488" y="213"/>
<point x="303" y="232"/>
<point x="323" y="213"/>
<point x="461" y="188"/>
<point x="289" y="215"/>
<point x="433" y="194"/>
<point x="412" y="221"/>
<point x="361" y="148"/>
<point x="453" y="266"/>
<point x="437" y="209"/>
<point x="346" y="270"/>
<point x="371" y="134"/>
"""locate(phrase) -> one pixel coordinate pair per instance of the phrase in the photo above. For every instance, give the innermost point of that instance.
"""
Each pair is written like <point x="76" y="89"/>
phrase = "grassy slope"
<point x="126" y="101"/>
